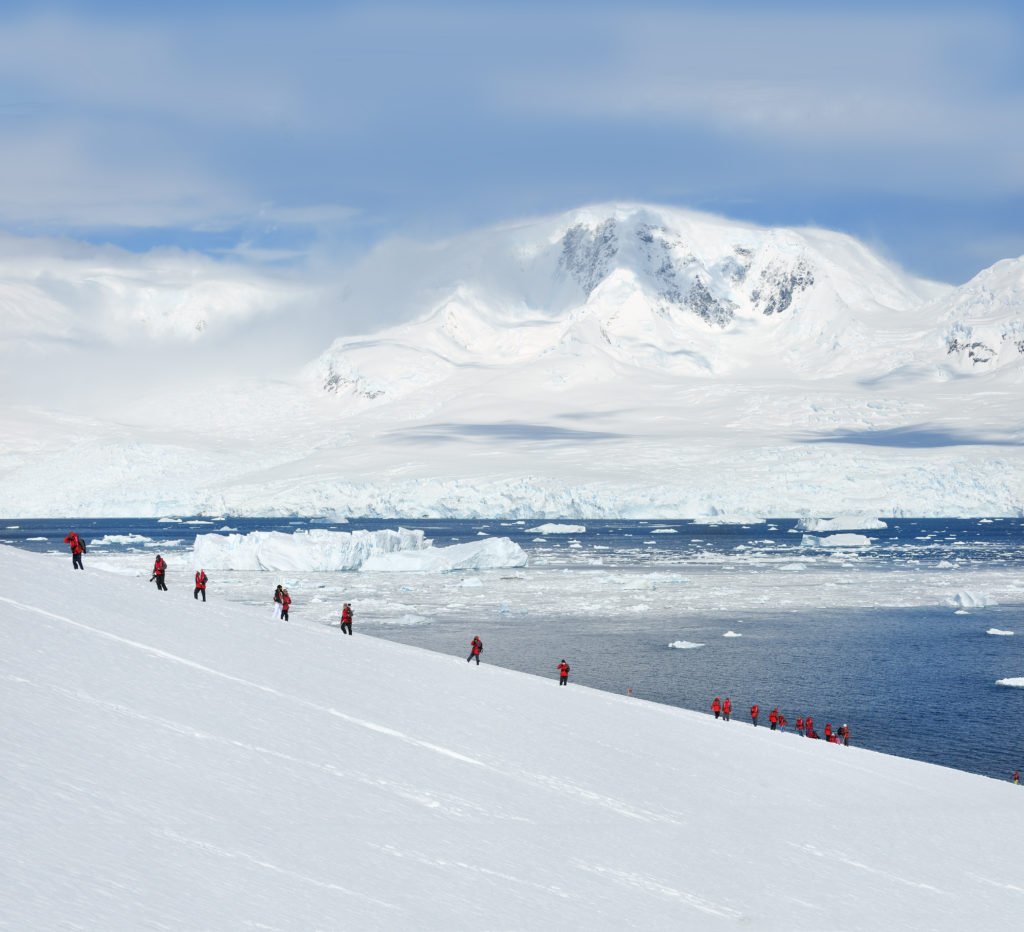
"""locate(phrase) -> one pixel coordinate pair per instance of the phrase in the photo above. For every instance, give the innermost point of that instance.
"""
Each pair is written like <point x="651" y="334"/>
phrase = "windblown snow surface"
<point x="173" y="764"/>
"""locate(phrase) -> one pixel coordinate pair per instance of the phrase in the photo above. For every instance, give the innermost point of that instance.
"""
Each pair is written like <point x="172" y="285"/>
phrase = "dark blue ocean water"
<point x="917" y="682"/>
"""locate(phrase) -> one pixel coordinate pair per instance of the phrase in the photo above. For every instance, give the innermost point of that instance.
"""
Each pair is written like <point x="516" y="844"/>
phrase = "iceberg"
<point x="684" y="645"/>
<point x="999" y="631"/>
<point x="304" y="551"/>
<point x="557" y="529"/>
<point x="836" y="540"/>
<point x="489" y="554"/>
<point x="841" y="523"/>
<point x="971" y="600"/>
<point x="1016" y="681"/>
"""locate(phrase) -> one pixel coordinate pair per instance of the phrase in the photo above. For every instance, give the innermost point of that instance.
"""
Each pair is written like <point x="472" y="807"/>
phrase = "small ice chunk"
<point x="841" y="523"/>
<point x="732" y="634"/>
<point x="1017" y="681"/>
<point x="684" y="645"/>
<point x="999" y="631"/>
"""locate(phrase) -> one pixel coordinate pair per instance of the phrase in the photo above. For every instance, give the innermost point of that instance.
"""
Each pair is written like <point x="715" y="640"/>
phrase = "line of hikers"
<point x="776" y="720"/>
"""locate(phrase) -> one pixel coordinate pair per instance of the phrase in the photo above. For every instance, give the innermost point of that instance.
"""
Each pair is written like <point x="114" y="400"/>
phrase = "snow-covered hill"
<point x="169" y="763"/>
<point x="620" y="360"/>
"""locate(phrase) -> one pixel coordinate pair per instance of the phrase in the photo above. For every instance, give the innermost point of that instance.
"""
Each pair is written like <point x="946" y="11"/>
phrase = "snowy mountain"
<point x="620" y="360"/>
<point x="174" y="764"/>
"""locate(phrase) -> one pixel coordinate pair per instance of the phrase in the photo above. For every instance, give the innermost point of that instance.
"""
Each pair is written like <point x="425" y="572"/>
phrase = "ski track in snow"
<point x="539" y="780"/>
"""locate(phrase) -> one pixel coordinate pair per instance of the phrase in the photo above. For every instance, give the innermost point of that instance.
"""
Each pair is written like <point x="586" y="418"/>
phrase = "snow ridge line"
<point x="174" y="658"/>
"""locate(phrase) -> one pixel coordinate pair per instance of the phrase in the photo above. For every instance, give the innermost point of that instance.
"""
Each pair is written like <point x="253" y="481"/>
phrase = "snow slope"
<point x="613" y="361"/>
<point x="173" y="764"/>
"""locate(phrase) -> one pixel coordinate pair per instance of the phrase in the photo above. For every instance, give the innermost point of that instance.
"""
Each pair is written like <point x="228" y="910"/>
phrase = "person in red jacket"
<point x="782" y="721"/>
<point x="829" y="735"/>
<point x="727" y="708"/>
<point x="346" y="618"/>
<point x="286" y="601"/>
<point x="809" y="726"/>
<point x="773" y="718"/>
<point x="755" y="710"/>
<point x="1016" y="777"/>
<point x="476" y="647"/>
<point x="159" y="569"/>
<point x="77" y="546"/>
<point x="563" y="673"/>
<point x="716" y="706"/>
<point x="201" y="580"/>
<point x="800" y="726"/>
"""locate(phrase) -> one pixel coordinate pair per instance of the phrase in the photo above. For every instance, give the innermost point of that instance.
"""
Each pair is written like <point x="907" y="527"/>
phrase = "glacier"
<point x="619" y="360"/>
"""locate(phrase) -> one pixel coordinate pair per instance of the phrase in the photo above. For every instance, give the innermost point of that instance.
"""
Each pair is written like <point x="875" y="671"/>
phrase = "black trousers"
<point x="284" y="614"/>
<point x="76" y="561"/>
<point x="195" y="593"/>
<point x="562" y="680"/>
<point x="160" y="584"/>
<point x="346" y="627"/>
<point x="471" y="656"/>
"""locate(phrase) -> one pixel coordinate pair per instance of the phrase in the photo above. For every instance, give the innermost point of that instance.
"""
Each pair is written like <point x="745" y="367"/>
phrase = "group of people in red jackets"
<point x="777" y="721"/>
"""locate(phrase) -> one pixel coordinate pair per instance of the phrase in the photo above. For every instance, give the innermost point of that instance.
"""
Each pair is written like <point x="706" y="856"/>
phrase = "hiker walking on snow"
<point x="773" y="718"/>
<point x="755" y="709"/>
<point x="563" y="673"/>
<point x="476" y="648"/>
<point x="277" y="601"/>
<point x="159" y="569"/>
<point x="286" y="601"/>
<point x="346" y="618"/>
<point x="77" y="546"/>
<point x="1016" y="777"/>
<point x="727" y="708"/>
<point x="201" y="581"/>
<point x="716" y="706"/>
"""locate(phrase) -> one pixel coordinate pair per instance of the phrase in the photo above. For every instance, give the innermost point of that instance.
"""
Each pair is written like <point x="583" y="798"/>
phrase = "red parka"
<point x="755" y="709"/>
<point x="563" y="669"/>
<point x="477" y="645"/>
<point x="159" y="566"/>
<point x="716" y="704"/>
<point x="201" y="579"/>
<point x="727" y="707"/>
<point x="75" y="543"/>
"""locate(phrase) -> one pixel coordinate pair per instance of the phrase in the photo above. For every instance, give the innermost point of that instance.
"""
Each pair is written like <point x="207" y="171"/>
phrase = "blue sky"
<point x="279" y="132"/>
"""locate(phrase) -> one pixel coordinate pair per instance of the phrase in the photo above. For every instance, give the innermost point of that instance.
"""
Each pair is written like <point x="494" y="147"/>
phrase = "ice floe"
<point x="557" y="529"/>
<point x="685" y="645"/>
<point x="999" y="631"/>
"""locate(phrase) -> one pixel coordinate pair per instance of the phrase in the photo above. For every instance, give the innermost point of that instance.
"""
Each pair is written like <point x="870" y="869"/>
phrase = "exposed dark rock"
<point x="587" y="254"/>
<point x="778" y="286"/>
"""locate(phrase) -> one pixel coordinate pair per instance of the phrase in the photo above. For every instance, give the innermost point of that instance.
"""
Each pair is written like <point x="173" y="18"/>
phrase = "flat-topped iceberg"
<point x="841" y="523"/>
<point x="835" y="540"/>
<point x="304" y="551"/>
<point x="1000" y="632"/>
<point x="557" y="529"/>
<point x="1016" y="681"/>
<point x="491" y="553"/>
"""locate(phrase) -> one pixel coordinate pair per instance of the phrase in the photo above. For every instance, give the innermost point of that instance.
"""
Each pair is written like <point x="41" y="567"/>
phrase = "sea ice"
<point x="732" y="634"/>
<point x="490" y="553"/>
<point x="1016" y="681"/>
<point x="999" y="631"/>
<point x="684" y="645"/>
<point x="557" y="529"/>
